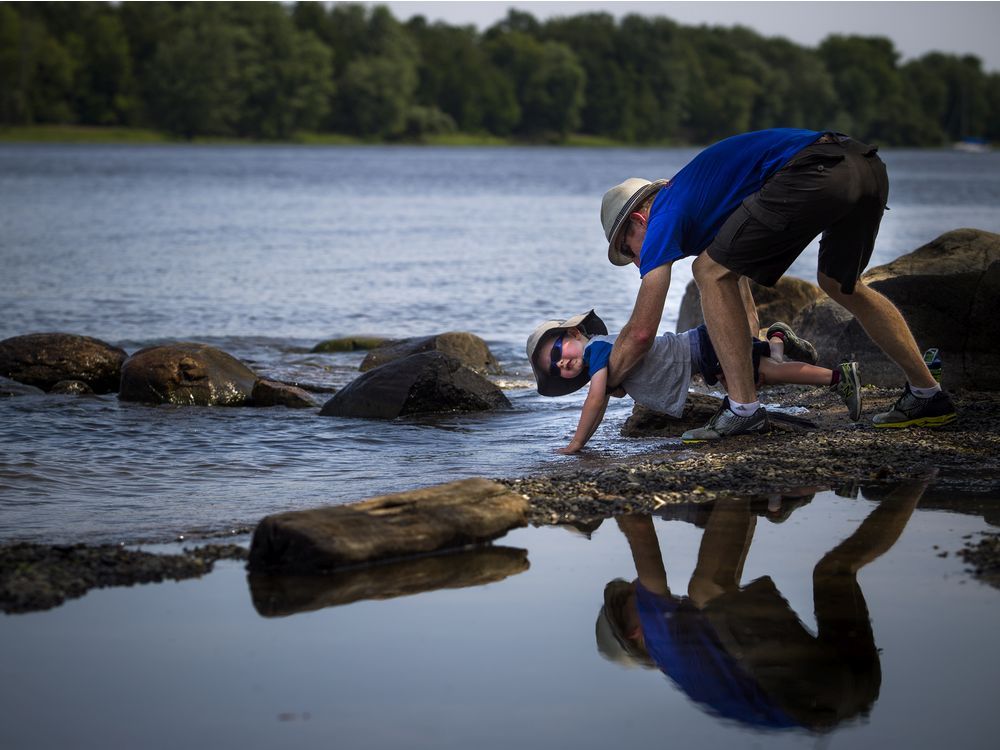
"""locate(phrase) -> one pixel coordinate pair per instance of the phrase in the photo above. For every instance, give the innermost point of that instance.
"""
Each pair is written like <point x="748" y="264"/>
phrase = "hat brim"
<point x="615" y="255"/>
<point x="556" y="386"/>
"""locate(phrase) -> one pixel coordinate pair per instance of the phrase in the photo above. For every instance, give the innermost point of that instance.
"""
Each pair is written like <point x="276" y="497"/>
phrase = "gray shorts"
<point x="836" y="187"/>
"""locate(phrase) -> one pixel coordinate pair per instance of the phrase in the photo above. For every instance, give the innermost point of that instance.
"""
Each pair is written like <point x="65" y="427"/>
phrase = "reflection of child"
<point x="565" y="355"/>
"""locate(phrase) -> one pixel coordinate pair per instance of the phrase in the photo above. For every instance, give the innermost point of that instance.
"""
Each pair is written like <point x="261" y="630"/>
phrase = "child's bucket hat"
<point x="618" y="203"/>
<point x="548" y="385"/>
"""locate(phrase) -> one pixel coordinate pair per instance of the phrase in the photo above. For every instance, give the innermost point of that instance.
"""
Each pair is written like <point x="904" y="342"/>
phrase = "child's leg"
<point x="797" y="373"/>
<point x="777" y="344"/>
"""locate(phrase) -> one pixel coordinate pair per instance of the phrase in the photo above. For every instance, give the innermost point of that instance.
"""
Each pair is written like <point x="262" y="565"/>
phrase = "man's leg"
<point x="884" y="325"/>
<point x="726" y="320"/>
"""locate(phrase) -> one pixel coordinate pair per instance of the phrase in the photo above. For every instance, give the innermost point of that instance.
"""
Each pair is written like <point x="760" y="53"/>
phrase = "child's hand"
<point x="569" y="449"/>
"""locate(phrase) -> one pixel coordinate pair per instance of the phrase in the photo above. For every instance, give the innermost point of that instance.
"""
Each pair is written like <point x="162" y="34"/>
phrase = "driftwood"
<point x="406" y="524"/>
<point x="278" y="596"/>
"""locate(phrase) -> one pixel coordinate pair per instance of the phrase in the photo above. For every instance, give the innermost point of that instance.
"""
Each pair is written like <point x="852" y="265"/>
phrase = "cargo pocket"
<point x="733" y="227"/>
<point x="770" y="219"/>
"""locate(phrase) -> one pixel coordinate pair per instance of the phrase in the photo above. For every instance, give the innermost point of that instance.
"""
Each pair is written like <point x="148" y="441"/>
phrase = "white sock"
<point x="925" y="392"/>
<point x="745" y="410"/>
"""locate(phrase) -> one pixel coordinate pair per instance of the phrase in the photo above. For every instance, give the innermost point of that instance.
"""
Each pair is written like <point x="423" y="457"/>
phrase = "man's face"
<point x="632" y="237"/>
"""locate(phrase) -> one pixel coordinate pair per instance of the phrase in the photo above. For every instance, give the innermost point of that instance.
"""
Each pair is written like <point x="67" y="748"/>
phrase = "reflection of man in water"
<point x="741" y="652"/>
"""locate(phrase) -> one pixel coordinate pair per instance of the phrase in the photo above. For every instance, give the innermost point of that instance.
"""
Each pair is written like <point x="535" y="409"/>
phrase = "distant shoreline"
<point x="88" y="134"/>
<point x="116" y="136"/>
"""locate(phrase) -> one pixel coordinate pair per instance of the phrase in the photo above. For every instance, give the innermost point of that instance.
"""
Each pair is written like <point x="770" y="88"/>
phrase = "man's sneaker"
<point x="795" y="348"/>
<point x="911" y="411"/>
<point x="726" y="424"/>
<point x="849" y="389"/>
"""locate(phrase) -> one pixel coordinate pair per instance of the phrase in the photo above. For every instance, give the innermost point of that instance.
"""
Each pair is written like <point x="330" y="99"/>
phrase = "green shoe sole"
<point x="921" y="421"/>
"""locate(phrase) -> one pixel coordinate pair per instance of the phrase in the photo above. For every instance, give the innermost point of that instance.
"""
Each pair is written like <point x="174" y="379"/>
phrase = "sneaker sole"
<point x="921" y="422"/>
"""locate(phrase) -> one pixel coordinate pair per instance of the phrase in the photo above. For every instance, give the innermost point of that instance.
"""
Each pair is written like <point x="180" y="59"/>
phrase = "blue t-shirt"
<point x="596" y="356"/>
<point x="688" y="213"/>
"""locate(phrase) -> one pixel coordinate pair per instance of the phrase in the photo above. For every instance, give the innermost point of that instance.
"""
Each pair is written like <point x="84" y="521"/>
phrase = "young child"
<point x="565" y="355"/>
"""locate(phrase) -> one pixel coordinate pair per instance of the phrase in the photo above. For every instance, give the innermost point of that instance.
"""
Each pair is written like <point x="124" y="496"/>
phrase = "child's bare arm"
<point x="592" y="414"/>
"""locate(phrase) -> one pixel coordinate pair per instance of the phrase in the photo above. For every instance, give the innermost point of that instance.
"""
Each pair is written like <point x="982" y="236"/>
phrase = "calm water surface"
<point x="265" y="251"/>
<point x="900" y="654"/>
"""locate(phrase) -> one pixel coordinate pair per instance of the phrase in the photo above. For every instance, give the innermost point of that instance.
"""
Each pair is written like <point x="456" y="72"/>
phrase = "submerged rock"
<point x="947" y="292"/>
<point x="186" y="374"/>
<point x="405" y="524"/>
<point x="10" y="388"/>
<point x="782" y="302"/>
<point x="44" y="359"/>
<point x="349" y="344"/>
<point x="419" y="384"/>
<point x="72" y="387"/>
<point x="272" y="393"/>
<point x="467" y="348"/>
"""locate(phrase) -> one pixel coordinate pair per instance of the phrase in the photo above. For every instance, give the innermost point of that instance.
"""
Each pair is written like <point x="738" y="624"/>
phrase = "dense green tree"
<point x="269" y="70"/>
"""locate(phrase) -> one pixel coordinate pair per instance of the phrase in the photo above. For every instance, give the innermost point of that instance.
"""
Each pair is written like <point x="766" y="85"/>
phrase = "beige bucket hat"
<point x="556" y="386"/>
<point x="618" y="203"/>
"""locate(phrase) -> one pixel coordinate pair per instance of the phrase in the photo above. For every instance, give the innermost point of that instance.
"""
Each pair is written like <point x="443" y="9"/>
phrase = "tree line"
<point x="274" y="70"/>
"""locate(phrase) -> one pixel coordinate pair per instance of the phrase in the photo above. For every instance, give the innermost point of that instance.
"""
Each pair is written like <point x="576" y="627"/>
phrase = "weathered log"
<point x="406" y="524"/>
<point x="280" y="595"/>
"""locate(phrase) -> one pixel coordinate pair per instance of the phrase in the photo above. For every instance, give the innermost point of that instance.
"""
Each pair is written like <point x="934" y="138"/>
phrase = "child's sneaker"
<point x="726" y="423"/>
<point x="849" y="389"/>
<point x="911" y="411"/>
<point x="933" y="361"/>
<point x="795" y="348"/>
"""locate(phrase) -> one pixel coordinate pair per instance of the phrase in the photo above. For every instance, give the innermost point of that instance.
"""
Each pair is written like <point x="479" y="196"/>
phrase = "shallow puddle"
<point x="819" y="621"/>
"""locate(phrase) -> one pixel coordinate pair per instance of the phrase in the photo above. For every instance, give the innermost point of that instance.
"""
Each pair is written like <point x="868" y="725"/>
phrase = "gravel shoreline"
<point x="791" y="460"/>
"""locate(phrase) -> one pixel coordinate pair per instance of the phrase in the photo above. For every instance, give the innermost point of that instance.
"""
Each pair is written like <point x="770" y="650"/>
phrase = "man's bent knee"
<point x="707" y="270"/>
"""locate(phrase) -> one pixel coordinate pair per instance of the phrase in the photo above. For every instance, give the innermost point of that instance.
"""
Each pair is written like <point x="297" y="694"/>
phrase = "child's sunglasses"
<point x="555" y="356"/>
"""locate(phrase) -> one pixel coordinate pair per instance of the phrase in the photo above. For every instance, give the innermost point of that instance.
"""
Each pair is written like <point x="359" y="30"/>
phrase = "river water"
<point x="263" y="251"/>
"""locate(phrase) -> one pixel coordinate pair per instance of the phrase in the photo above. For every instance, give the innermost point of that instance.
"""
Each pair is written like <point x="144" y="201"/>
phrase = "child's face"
<point x="569" y="356"/>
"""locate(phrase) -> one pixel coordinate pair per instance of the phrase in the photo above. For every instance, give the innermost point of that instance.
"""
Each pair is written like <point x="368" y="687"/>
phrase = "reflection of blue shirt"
<point x="686" y="649"/>
<point x="688" y="213"/>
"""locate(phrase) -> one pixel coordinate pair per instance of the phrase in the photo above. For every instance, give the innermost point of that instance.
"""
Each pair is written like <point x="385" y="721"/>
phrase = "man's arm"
<point x="748" y="304"/>
<point x="637" y="336"/>
<point x="592" y="414"/>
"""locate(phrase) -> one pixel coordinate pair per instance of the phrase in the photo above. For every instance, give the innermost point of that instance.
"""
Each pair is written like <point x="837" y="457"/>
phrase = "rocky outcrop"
<point x="467" y="348"/>
<point x="282" y="595"/>
<point x="186" y="374"/>
<point x="782" y="302"/>
<point x="947" y="291"/>
<point x="44" y="359"/>
<point x="272" y="393"/>
<point x="349" y="344"/>
<point x="419" y="384"/>
<point x="446" y="516"/>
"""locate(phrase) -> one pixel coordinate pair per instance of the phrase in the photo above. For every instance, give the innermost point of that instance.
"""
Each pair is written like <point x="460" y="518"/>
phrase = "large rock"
<point x="446" y="516"/>
<point x="467" y="348"/>
<point x="44" y="359"/>
<point x="782" y="302"/>
<point x="281" y="595"/>
<point x="418" y="384"/>
<point x="188" y="374"/>
<point x="947" y="291"/>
